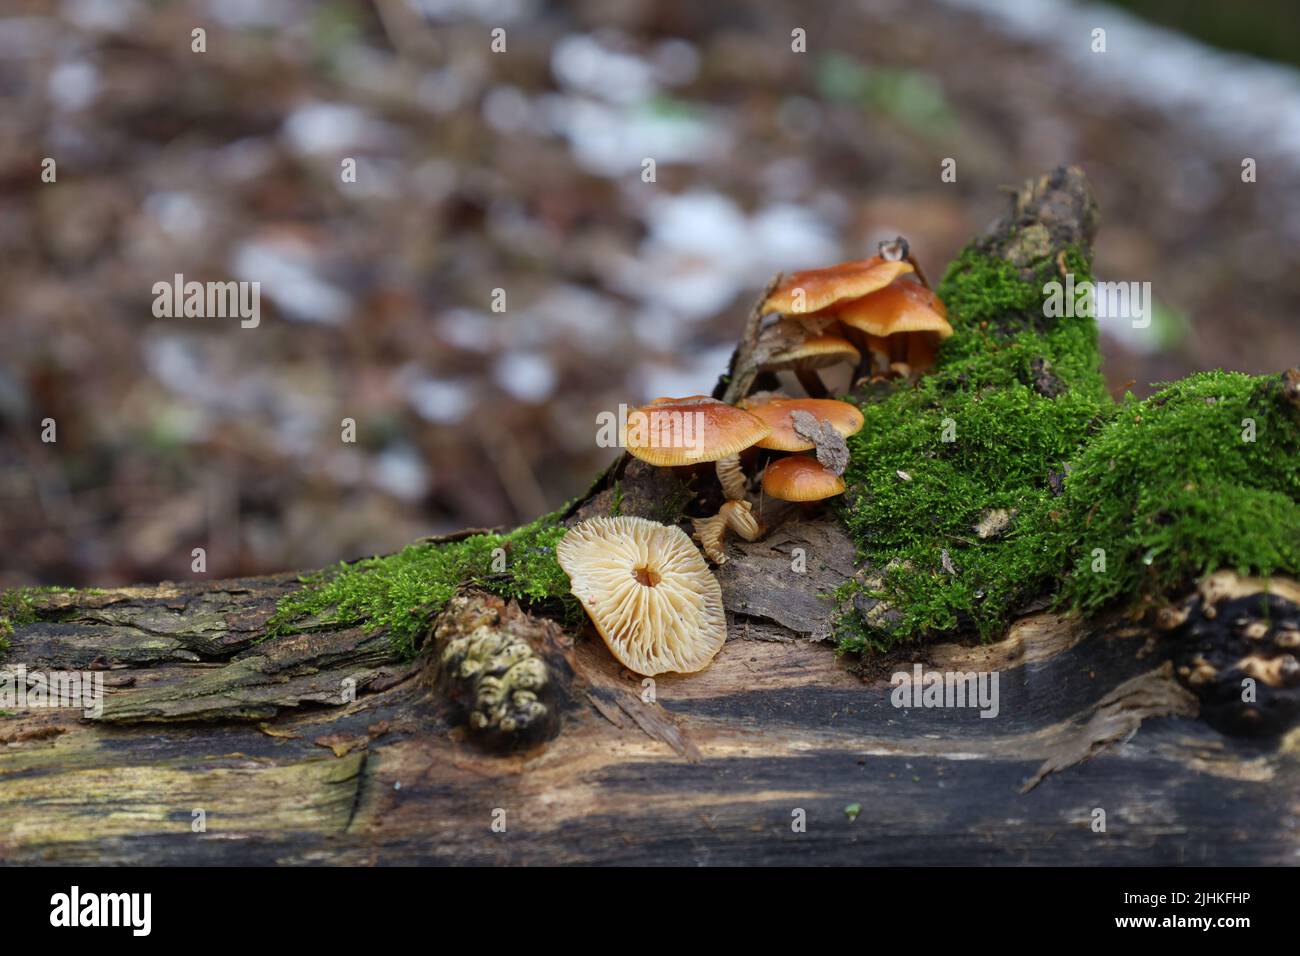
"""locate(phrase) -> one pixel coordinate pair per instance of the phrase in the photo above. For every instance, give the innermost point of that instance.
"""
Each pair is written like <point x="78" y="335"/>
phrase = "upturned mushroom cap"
<point x="810" y="351"/>
<point x="825" y="287"/>
<point x="775" y="412"/>
<point x="686" y="431"/>
<point x="649" y="592"/>
<point x="800" y="478"/>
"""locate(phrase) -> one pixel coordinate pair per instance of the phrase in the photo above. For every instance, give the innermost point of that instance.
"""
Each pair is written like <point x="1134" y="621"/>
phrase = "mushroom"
<point x="815" y="289"/>
<point x="800" y="478"/>
<point x="903" y="323"/>
<point x="709" y="532"/>
<point x="798" y="350"/>
<point x="777" y="413"/>
<point x="648" y="591"/>
<point x="686" y="431"/>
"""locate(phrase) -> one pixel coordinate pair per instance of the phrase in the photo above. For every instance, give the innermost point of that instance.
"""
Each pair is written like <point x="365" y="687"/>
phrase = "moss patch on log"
<point x="19" y="606"/>
<point x="400" y="593"/>
<point x="1013" y="398"/>
<point x="1009" y="473"/>
<point x="1203" y="475"/>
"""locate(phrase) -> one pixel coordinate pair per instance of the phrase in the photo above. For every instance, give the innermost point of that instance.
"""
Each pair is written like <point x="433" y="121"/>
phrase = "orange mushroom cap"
<point x="775" y="412"/>
<point x="687" y="431"/>
<point x="904" y="323"/>
<point x="824" y="287"/>
<point x="800" y="478"/>
<point x="901" y="307"/>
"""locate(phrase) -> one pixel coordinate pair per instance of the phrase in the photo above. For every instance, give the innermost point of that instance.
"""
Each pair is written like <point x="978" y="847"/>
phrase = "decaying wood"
<point x="219" y="744"/>
<point x="749" y="356"/>
<point x="707" y="768"/>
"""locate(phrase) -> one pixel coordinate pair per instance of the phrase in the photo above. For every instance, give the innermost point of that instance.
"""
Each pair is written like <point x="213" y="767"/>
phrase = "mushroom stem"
<point x="812" y="383"/>
<point x="872" y="364"/>
<point x="863" y="369"/>
<point x="740" y="519"/>
<point x="732" y="478"/>
<point x="862" y="342"/>
<point x="709" y="532"/>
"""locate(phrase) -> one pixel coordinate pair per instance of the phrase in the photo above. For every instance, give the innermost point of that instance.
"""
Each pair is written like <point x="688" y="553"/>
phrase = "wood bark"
<point x="325" y="747"/>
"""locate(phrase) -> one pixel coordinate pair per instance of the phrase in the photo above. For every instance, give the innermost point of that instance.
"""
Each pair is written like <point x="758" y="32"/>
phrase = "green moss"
<point x="1166" y="487"/>
<point x="1173" y="489"/>
<point x="982" y="431"/>
<point x="20" y="606"/>
<point x="399" y="593"/>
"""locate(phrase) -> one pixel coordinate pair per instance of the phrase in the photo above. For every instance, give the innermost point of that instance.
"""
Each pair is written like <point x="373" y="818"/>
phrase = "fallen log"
<point x="226" y="737"/>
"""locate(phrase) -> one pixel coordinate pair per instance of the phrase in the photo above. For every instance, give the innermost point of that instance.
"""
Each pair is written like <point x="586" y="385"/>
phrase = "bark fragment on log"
<point x="1048" y="214"/>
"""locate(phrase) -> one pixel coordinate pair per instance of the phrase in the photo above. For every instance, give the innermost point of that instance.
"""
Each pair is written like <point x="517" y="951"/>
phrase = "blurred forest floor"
<point x="522" y="171"/>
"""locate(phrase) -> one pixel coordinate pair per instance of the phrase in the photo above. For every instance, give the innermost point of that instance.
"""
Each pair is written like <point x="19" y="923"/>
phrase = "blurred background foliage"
<point x="522" y="171"/>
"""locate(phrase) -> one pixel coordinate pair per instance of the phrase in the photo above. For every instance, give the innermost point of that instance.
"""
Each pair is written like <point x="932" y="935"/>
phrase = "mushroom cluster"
<point x="882" y="309"/>
<point x="877" y="315"/>
<point x="644" y="585"/>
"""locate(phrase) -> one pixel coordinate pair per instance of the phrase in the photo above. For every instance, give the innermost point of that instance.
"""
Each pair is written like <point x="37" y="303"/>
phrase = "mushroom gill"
<point x="648" y="591"/>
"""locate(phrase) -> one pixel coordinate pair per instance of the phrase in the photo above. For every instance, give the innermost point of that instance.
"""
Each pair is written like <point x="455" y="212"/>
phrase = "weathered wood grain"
<point x="710" y="771"/>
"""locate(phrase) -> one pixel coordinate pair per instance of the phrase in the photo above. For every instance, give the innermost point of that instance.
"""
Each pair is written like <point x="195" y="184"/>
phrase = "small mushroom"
<point x="802" y="352"/>
<point x="709" y="532"/>
<point x="648" y="591"/>
<point x="800" y="478"/>
<point x="815" y="289"/>
<point x="777" y="413"/>
<point x="902" y="323"/>
<point x="670" y="432"/>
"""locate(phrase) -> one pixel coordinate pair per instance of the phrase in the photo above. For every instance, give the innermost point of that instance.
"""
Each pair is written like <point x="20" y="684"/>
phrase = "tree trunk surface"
<point x="218" y="744"/>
